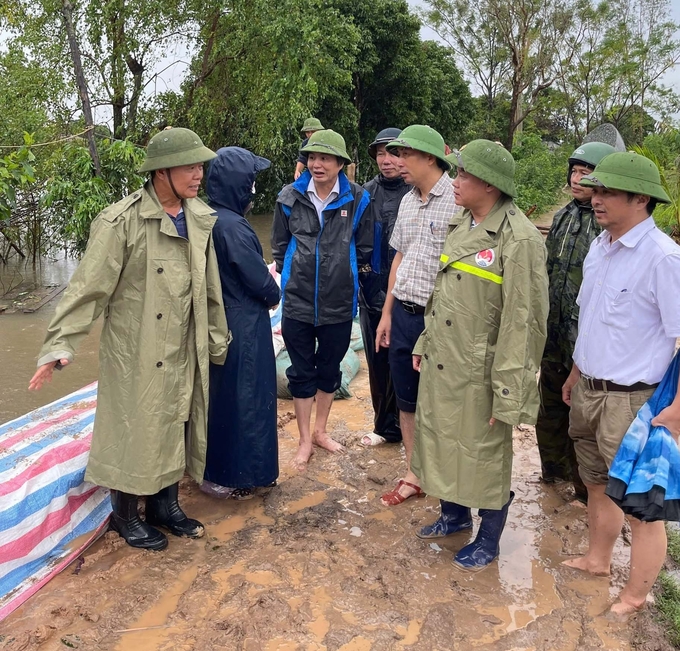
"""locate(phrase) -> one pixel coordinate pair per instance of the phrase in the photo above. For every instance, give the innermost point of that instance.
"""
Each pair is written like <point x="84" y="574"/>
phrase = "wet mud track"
<point x="316" y="563"/>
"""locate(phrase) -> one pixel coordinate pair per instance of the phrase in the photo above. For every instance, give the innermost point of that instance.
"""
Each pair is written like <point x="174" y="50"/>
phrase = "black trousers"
<point x="314" y="367"/>
<point x="386" y="414"/>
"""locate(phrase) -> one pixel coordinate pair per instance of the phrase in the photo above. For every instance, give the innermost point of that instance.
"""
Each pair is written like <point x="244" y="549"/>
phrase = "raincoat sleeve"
<point x="364" y="231"/>
<point x="522" y="333"/>
<point x="280" y="235"/>
<point x="419" y="348"/>
<point x="218" y="330"/>
<point x="89" y="289"/>
<point x="243" y="253"/>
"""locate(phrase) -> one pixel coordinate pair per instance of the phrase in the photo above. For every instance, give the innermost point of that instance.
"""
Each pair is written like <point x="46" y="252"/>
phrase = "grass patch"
<point x="667" y="592"/>
<point x="668" y="605"/>
<point x="673" y="544"/>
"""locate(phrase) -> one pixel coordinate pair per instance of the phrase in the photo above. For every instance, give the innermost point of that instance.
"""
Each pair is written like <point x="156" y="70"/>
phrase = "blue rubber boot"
<point x="453" y="518"/>
<point x="485" y="547"/>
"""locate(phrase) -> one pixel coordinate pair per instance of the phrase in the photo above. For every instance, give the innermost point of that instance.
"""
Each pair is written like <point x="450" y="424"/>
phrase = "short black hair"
<point x="651" y="204"/>
<point x="445" y="167"/>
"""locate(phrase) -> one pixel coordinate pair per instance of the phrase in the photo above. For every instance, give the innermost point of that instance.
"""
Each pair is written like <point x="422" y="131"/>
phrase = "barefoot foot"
<point x="323" y="440"/>
<point x="622" y="611"/>
<point x="301" y="459"/>
<point x="584" y="564"/>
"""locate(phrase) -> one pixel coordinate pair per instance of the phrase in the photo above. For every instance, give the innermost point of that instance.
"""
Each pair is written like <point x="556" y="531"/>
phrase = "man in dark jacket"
<point x="572" y="231"/>
<point x="321" y="236"/>
<point x="387" y="190"/>
<point x="242" y="437"/>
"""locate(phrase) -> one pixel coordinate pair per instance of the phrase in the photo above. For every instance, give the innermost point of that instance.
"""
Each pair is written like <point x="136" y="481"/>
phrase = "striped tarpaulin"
<point x="48" y="514"/>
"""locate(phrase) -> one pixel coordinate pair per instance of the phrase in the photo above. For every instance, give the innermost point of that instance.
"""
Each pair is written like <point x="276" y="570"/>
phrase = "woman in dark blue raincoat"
<point x="242" y="437"/>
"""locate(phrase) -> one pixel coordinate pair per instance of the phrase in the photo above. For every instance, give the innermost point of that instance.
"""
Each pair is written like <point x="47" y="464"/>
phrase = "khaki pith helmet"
<point x="327" y="141"/>
<point x="311" y="124"/>
<point x="628" y="172"/>
<point x="174" y="147"/>
<point x="489" y="161"/>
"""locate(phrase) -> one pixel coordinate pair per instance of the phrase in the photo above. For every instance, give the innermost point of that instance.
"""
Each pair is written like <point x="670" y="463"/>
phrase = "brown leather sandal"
<point x="394" y="497"/>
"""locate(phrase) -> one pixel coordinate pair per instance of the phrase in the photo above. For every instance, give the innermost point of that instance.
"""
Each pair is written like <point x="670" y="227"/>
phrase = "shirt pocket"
<point x="617" y="308"/>
<point x="438" y="235"/>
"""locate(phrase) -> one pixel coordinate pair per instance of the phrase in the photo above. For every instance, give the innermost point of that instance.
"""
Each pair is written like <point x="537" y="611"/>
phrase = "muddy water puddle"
<point x="317" y="564"/>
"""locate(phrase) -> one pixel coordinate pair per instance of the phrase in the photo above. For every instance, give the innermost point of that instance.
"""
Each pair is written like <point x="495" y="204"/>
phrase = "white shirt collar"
<point x="632" y="237"/>
<point x="311" y="188"/>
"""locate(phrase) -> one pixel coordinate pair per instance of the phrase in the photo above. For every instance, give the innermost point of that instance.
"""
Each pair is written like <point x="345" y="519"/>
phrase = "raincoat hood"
<point x="230" y="178"/>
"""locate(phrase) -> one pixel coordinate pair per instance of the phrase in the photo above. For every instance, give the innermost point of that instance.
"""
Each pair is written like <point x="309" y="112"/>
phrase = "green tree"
<point x="514" y="46"/>
<point x="74" y="195"/>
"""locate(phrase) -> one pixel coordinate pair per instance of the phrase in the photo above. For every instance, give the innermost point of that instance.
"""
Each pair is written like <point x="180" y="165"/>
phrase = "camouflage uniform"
<point x="572" y="231"/>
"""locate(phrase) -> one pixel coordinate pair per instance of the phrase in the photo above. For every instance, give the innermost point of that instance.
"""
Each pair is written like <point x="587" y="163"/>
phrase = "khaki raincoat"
<point x="164" y="320"/>
<point x="485" y="329"/>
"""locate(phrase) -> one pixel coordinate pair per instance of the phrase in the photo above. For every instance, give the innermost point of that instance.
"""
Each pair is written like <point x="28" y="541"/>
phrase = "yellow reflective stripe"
<point x="444" y="258"/>
<point x="476" y="271"/>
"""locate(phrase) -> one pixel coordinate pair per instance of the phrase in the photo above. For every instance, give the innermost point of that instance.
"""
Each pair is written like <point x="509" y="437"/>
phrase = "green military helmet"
<point x="327" y="141"/>
<point x="174" y="147"/>
<point x="489" y="161"/>
<point x="628" y="172"/>
<point x="590" y="154"/>
<point x="422" y="138"/>
<point x="311" y="124"/>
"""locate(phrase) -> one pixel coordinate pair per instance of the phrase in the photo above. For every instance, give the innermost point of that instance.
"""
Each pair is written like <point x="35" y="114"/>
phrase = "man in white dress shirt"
<point x="629" y="321"/>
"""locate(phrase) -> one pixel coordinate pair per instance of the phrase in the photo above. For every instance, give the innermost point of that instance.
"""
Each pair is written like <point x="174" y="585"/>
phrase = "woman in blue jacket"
<point x="322" y="237"/>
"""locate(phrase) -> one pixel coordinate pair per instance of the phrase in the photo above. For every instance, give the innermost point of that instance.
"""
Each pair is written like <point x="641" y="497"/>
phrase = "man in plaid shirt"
<point x="418" y="239"/>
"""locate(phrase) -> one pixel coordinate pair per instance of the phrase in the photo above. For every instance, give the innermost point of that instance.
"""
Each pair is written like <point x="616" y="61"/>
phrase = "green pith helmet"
<point x="311" y="124"/>
<point x="628" y="172"/>
<point x="175" y="147"/>
<point x="590" y="154"/>
<point x="422" y="138"/>
<point x="488" y="161"/>
<point x="327" y="141"/>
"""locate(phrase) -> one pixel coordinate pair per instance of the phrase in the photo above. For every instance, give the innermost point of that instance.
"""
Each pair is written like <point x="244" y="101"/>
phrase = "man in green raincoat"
<point x="150" y="267"/>
<point x="478" y="356"/>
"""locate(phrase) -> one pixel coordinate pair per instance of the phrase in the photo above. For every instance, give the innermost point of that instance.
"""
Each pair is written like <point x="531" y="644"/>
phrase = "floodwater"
<point x="316" y="563"/>
<point x="22" y="335"/>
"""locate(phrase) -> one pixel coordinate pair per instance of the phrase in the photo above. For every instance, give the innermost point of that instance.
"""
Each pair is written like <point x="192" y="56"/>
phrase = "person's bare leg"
<point x="407" y="422"/>
<point x="647" y="554"/>
<point x="605" y="520"/>
<point x="324" y="402"/>
<point x="303" y="414"/>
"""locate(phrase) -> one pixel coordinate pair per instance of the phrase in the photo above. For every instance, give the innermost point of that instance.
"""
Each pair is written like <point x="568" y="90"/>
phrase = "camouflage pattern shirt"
<point x="572" y="231"/>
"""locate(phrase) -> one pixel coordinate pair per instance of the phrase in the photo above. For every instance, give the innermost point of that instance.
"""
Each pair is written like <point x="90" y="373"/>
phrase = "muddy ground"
<point x="318" y="564"/>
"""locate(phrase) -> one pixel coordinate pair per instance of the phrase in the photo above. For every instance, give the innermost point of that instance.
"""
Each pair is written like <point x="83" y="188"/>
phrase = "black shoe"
<point x="125" y="520"/>
<point x="163" y="510"/>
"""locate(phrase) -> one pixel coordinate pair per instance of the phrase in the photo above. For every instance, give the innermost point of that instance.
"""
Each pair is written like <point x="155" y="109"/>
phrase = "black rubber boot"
<point x="485" y="547"/>
<point x="126" y="521"/>
<point x="453" y="518"/>
<point x="163" y="510"/>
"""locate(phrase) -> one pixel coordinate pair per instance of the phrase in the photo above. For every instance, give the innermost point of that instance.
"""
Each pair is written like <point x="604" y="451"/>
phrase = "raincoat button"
<point x="445" y="269"/>
<point x="459" y="276"/>
<point x="432" y="312"/>
<point x="448" y="322"/>
<point x="425" y="356"/>
<point x="506" y="392"/>
<point x="159" y="364"/>
<point x="440" y="367"/>
<point x="160" y="270"/>
<point x="159" y="316"/>
<point x="512" y="212"/>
